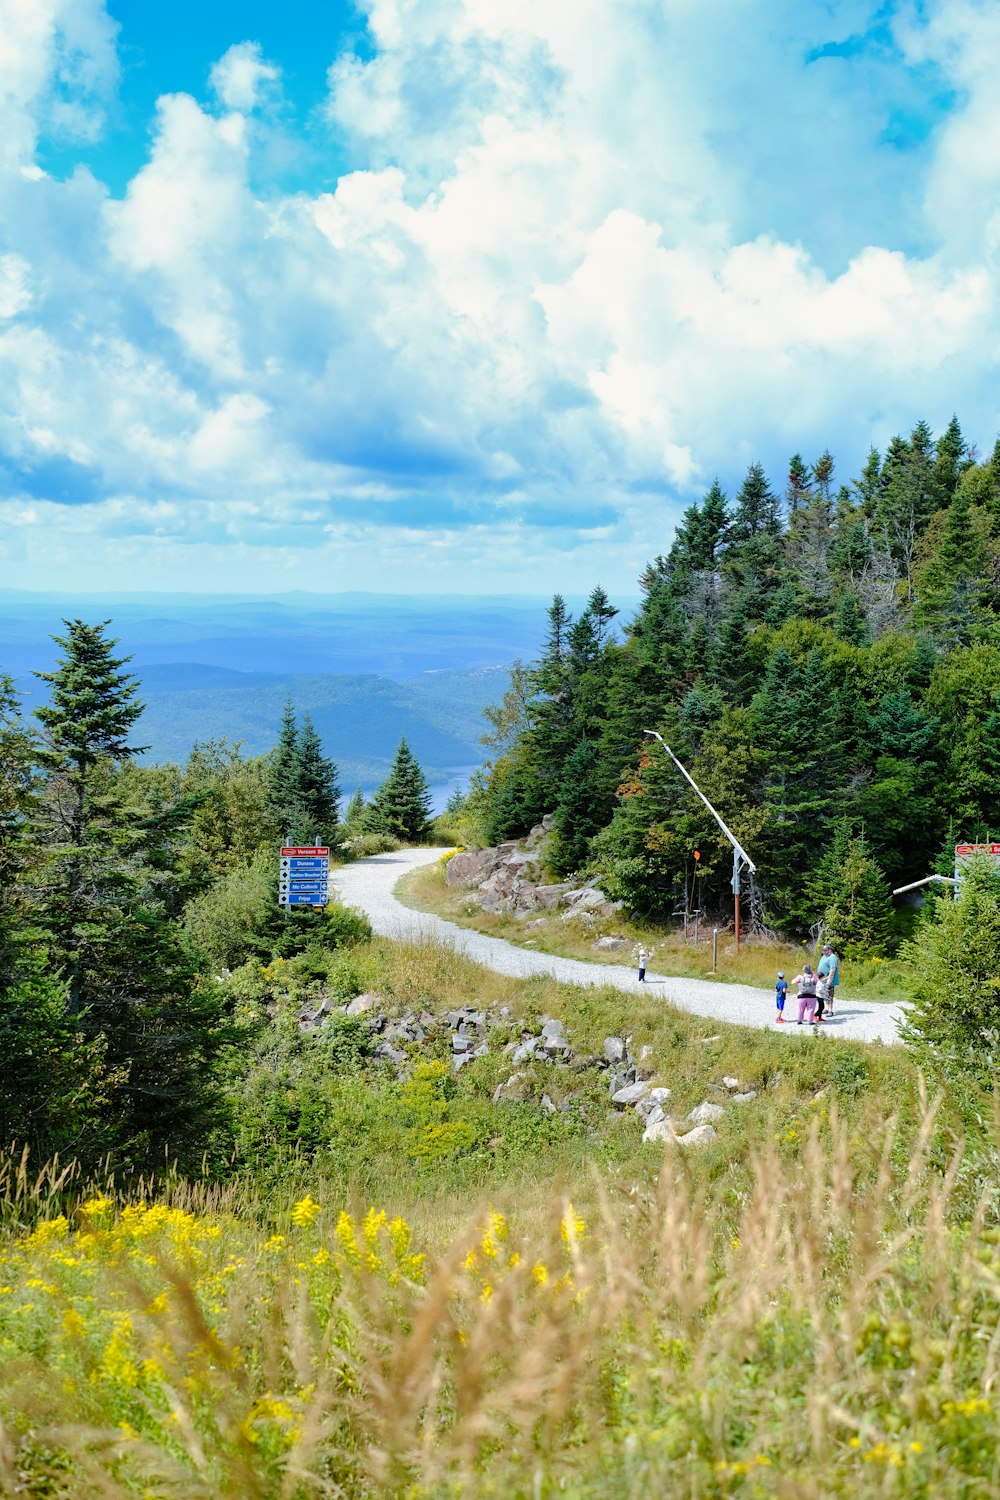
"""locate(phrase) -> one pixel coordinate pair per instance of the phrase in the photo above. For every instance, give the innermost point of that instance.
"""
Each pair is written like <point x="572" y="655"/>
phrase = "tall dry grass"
<point x="827" y="1331"/>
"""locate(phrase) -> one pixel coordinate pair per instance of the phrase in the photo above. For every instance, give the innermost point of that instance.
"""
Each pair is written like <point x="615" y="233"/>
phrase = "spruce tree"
<point x="354" y="815"/>
<point x="102" y="904"/>
<point x="857" y="920"/>
<point x="578" y="811"/>
<point x="401" y="806"/>
<point x="317" y="794"/>
<point x="282" y="785"/>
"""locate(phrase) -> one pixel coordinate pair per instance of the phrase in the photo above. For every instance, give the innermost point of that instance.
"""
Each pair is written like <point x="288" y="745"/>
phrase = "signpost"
<point x="965" y="852"/>
<point x="304" y="877"/>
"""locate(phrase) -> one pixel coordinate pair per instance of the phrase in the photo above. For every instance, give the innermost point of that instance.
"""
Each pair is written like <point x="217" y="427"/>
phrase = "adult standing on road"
<point x="806" y="996"/>
<point x="828" y="968"/>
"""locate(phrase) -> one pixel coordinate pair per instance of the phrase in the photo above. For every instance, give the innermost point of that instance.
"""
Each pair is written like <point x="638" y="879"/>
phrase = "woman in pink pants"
<point x="806" y="997"/>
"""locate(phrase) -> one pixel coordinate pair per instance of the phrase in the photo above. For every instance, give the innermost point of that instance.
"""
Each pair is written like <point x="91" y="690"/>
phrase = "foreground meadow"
<point x="445" y="1297"/>
<point x="826" y="1331"/>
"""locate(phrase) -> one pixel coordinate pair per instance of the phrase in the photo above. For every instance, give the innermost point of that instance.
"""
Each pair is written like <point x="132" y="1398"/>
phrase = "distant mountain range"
<point x="368" y="667"/>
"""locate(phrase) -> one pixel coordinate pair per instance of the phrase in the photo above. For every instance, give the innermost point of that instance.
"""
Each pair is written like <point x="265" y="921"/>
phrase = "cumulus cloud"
<point x="584" y="258"/>
<point x="243" y="77"/>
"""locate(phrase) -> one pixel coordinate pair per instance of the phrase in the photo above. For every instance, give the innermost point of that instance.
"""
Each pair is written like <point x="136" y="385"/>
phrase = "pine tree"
<point x="949" y="585"/>
<point x="951" y="459"/>
<point x="282" y="769"/>
<point x="754" y="540"/>
<point x="17" y="791"/>
<point x="797" y="491"/>
<point x="317" y="794"/>
<point x="401" y="806"/>
<point x="869" y="483"/>
<point x="578" y="813"/>
<point x="85" y="729"/>
<point x="354" y="815"/>
<point x="102" y="904"/>
<point x="858" y="916"/>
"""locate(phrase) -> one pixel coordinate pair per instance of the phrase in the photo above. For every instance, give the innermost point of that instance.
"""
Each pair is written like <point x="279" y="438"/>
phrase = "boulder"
<point x="361" y="1004"/>
<point x="526" y="1051"/>
<point x="731" y="1083"/>
<point x="700" y="1136"/>
<point x="654" y="1100"/>
<point x="471" y="867"/>
<point x="745" y="1098"/>
<point x="630" y="1094"/>
<point x="460" y="1059"/>
<point x="706" y="1112"/>
<point x="548" y="897"/>
<point x="513" y="1088"/>
<point x="614" y="1049"/>
<point x="662" y="1130"/>
<point x="610" y="944"/>
<point x="548" y="1106"/>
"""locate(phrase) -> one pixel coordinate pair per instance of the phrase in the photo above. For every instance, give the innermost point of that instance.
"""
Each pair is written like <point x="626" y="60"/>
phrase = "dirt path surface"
<point x="368" y="886"/>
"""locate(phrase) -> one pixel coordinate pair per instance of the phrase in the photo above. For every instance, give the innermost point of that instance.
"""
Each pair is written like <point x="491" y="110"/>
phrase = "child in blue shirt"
<point x="780" y="996"/>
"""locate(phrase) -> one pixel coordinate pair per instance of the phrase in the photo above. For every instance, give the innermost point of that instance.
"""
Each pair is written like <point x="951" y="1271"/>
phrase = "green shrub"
<point x="364" y="845"/>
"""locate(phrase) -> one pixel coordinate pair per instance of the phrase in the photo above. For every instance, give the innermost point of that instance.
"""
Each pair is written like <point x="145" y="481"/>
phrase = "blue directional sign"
<point x="303" y="878"/>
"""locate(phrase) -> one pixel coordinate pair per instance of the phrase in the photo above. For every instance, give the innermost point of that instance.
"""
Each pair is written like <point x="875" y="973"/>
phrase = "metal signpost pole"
<point x="740" y="855"/>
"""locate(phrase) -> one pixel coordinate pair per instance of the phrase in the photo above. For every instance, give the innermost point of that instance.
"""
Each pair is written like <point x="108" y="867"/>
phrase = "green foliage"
<point x="858" y="919"/>
<point x="433" y="1133"/>
<point x="401" y="806"/>
<point x="953" y="1028"/>
<point x="302" y="792"/>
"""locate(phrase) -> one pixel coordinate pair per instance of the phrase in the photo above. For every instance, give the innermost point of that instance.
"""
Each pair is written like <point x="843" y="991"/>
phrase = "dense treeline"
<point x="129" y="891"/>
<point x="826" y="661"/>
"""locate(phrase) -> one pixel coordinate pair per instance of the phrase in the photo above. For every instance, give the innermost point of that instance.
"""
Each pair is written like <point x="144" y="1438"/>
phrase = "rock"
<point x="460" y="1059"/>
<point x="390" y="1053"/>
<point x="745" y="1098"/>
<point x="361" y="1004"/>
<point x="589" y="899"/>
<point x="555" y="1030"/>
<point x="461" y="1043"/>
<point x="426" y="1020"/>
<point x="548" y="1106"/>
<point x="706" y="1112"/>
<point x="481" y="1051"/>
<point x="526" y="1051"/>
<point x="655" y="1099"/>
<point x="731" y="1083"/>
<point x="548" y="822"/>
<point x="511" y="1089"/>
<point x="471" y="867"/>
<point x="663" y="1130"/>
<point x="631" y="1094"/>
<point x="614" y="1049"/>
<point x="538" y="922"/>
<point x="548" y="897"/>
<point x="610" y="944"/>
<point x="700" y="1136"/>
<point x="704" y="1040"/>
<point x="645" y="1053"/>
<point x="621" y="1080"/>
<point x="455" y="1018"/>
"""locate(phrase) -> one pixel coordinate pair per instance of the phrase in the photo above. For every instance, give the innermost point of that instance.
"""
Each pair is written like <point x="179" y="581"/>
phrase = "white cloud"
<point x="588" y="257"/>
<point x="242" y="78"/>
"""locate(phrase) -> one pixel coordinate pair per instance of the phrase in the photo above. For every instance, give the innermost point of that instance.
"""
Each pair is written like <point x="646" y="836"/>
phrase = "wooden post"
<point x="715" y="949"/>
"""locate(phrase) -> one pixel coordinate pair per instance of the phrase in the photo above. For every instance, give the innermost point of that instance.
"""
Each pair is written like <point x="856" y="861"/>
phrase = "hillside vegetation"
<point x="290" y="1212"/>
<point x="824" y="661"/>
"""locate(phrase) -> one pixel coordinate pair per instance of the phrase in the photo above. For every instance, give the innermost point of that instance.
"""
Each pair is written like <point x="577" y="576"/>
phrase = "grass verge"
<point x="757" y="962"/>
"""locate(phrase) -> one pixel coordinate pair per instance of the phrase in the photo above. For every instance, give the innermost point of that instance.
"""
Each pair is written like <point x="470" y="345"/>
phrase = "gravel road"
<point x="368" y="886"/>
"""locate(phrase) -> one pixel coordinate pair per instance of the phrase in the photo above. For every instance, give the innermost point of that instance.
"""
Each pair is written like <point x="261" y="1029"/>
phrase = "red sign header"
<point x="977" y="849"/>
<point x="315" y="851"/>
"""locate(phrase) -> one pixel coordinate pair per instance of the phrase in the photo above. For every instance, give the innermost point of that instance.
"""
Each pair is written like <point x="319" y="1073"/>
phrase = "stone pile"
<point x="509" y="879"/>
<point x="629" y="1077"/>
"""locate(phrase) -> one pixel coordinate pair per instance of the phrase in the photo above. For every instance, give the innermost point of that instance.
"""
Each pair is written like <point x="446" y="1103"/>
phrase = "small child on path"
<point x="806" y="996"/>
<point x="822" y="988"/>
<point x="780" y="996"/>
<point x="642" y="966"/>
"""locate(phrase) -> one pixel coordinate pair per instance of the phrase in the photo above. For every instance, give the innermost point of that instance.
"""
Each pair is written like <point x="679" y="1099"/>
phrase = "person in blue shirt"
<point x="780" y="996"/>
<point x="828" y="968"/>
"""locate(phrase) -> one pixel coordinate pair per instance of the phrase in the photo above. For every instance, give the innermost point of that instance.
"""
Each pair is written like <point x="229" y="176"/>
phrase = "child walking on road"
<point x="780" y="996"/>
<point x="642" y="966"/>
<point x="806" y="996"/>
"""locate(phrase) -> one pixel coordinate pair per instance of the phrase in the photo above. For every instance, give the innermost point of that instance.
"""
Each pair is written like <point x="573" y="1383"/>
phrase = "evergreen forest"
<point x="823" y="657"/>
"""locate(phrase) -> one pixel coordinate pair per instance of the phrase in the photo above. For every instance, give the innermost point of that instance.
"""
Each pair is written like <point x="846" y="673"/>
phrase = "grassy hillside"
<point x="446" y="1296"/>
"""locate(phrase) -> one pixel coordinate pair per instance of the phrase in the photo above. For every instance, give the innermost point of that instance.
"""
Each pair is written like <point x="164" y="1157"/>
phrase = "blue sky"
<point x="452" y="295"/>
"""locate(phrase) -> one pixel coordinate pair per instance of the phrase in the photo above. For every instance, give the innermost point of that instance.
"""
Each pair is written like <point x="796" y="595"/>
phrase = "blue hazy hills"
<point x="368" y="667"/>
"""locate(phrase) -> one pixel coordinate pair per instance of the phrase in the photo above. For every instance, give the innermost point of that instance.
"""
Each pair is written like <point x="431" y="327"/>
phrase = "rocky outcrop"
<point x="510" y="880"/>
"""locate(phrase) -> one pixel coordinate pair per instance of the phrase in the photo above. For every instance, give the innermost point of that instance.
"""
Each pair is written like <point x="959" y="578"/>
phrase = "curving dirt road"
<point x="368" y="886"/>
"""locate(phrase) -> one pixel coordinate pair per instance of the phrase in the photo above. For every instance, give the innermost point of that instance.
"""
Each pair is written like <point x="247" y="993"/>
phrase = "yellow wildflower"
<point x="305" y="1211"/>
